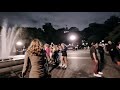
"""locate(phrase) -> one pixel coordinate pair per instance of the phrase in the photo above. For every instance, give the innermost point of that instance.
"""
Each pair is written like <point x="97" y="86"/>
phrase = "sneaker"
<point x="60" y="65"/>
<point x="97" y="75"/>
<point x="100" y="73"/>
<point x="64" y="66"/>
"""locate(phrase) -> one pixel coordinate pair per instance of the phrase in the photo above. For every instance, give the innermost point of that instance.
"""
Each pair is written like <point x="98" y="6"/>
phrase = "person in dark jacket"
<point x="55" y="54"/>
<point x="117" y="53"/>
<point x="110" y="49"/>
<point x="101" y="53"/>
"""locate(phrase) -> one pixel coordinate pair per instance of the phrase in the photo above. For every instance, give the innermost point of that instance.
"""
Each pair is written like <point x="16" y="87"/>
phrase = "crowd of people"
<point x="109" y="48"/>
<point x="39" y="56"/>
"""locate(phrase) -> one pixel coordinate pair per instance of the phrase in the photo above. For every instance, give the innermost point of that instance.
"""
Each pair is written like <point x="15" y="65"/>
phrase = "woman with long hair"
<point x="55" y="55"/>
<point x="64" y="61"/>
<point x="37" y="57"/>
<point x="47" y="49"/>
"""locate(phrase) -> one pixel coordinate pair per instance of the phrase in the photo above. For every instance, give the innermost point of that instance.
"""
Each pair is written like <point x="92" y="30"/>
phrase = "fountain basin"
<point x="17" y="57"/>
<point x="5" y="59"/>
<point x="10" y="58"/>
<point x="11" y="69"/>
<point x="11" y="63"/>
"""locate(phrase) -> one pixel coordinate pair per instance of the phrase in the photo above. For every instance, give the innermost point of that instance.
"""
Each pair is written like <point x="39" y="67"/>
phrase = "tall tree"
<point x="49" y="32"/>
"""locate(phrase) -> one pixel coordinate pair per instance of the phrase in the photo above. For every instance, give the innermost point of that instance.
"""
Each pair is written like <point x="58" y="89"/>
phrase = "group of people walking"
<point x="109" y="48"/>
<point x="39" y="56"/>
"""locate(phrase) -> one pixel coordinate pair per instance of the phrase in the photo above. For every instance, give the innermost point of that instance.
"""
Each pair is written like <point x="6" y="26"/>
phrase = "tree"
<point x="112" y="22"/>
<point x="27" y="34"/>
<point x="114" y="35"/>
<point x="97" y="32"/>
<point x="73" y="29"/>
<point x="49" y="32"/>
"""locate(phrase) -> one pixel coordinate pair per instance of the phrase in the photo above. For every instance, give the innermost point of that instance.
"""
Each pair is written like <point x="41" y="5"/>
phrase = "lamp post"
<point x="72" y="38"/>
<point x="19" y="44"/>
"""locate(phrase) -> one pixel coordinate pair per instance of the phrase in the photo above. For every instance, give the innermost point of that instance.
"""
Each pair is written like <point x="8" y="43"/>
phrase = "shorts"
<point x="64" y="53"/>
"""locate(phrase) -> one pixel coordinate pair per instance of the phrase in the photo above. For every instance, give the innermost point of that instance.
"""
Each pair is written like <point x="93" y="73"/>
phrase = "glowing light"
<point x="19" y="43"/>
<point x="72" y="37"/>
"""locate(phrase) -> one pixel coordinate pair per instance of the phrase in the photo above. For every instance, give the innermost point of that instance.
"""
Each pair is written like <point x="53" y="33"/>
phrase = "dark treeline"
<point x="109" y="30"/>
<point x="48" y="34"/>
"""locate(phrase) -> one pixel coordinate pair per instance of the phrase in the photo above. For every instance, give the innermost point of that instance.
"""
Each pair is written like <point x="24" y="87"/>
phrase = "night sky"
<point x="58" y="19"/>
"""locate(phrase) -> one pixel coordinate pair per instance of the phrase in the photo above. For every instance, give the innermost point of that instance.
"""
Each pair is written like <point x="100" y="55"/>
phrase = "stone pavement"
<point x="111" y="70"/>
<point x="80" y="66"/>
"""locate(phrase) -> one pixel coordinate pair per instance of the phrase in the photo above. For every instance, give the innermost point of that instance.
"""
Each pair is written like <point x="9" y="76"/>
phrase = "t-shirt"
<point x="101" y="50"/>
<point x="47" y="51"/>
<point x="93" y="50"/>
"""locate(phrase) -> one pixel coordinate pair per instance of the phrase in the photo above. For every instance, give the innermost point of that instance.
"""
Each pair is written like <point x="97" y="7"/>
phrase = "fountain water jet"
<point x="8" y="39"/>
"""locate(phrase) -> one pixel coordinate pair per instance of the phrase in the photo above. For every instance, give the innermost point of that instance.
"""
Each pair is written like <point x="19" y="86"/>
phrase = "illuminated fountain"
<point x="8" y="38"/>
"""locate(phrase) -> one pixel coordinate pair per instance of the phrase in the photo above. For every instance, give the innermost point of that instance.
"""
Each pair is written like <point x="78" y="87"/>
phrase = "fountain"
<point x="9" y="64"/>
<point x="8" y="39"/>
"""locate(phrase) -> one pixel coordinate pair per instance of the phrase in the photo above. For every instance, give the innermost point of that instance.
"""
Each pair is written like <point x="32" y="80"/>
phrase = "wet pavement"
<point x="81" y="66"/>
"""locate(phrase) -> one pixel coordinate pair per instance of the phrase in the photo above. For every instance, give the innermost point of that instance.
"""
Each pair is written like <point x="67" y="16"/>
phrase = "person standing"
<point x="117" y="53"/>
<point x="35" y="55"/>
<point x="94" y="57"/>
<point x="55" y="55"/>
<point x="101" y="53"/>
<point x="64" y="56"/>
<point x="60" y="56"/>
<point x="47" y="49"/>
<point x="110" y="49"/>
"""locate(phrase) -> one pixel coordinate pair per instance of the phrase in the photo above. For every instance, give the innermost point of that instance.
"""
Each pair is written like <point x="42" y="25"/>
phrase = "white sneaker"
<point x="60" y="65"/>
<point x="64" y="66"/>
<point x="100" y="73"/>
<point x="97" y="75"/>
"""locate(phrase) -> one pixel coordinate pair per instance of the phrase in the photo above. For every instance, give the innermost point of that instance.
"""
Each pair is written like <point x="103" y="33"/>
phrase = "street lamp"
<point x="19" y="43"/>
<point x="72" y="37"/>
<point x="102" y="41"/>
<point x="19" y="47"/>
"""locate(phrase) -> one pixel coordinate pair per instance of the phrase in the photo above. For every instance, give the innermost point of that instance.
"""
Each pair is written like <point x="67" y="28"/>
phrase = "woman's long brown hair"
<point x="35" y="47"/>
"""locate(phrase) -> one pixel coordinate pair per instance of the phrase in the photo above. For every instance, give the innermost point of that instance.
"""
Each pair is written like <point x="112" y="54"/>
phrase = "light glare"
<point x="72" y="37"/>
<point x="19" y="43"/>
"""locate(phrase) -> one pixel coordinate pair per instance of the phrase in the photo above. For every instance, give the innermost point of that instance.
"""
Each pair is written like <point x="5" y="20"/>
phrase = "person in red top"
<point x="47" y="49"/>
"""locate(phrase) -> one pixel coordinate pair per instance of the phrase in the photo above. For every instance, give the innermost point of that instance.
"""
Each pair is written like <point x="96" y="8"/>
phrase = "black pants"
<point x="55" y="58"/>
<point x="112" y="56"/>
<point x="101" y="62"/>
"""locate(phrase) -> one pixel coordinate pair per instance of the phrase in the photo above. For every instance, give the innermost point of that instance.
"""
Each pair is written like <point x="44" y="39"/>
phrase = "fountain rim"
<point x="15" y="57"/>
